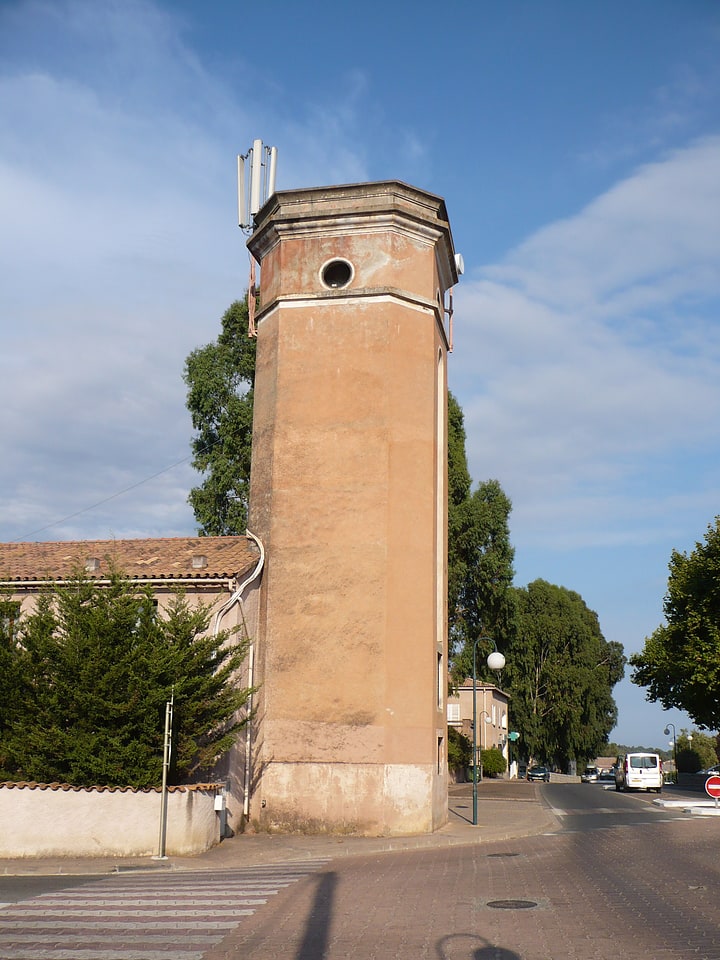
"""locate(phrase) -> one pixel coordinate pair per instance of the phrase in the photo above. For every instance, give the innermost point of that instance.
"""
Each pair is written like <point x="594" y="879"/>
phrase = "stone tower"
<point x="349" y="496"/>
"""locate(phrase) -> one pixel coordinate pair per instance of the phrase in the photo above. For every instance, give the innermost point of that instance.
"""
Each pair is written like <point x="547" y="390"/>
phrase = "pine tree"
<point x="98" y="664"/>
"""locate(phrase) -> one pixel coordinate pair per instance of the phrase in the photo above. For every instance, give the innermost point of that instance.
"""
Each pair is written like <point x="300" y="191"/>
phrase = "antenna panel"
<point x="256" y="177"/>
<point x="272" y="169"/>
<point x="242" y="205"/>
<point x="262" y="170"/>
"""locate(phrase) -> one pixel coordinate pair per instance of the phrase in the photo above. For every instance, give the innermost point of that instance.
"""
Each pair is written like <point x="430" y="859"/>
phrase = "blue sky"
<point x="577" y="147"/>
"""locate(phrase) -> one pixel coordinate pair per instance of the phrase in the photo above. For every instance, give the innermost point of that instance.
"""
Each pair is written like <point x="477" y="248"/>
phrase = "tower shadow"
<point x="317" y="927"/>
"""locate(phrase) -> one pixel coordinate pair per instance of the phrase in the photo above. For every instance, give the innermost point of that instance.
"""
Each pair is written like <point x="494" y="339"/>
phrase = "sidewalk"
<point x="507" y="809"/>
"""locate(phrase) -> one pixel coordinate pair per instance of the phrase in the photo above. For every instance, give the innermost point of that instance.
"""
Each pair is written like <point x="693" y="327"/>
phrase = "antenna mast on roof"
<point x="260" y="182"/>
<point x="251" y="196"/>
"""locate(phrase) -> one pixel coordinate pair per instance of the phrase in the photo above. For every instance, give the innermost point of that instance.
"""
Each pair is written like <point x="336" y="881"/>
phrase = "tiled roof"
<point x="487" y="685"/>
<point x="171" y="558"/>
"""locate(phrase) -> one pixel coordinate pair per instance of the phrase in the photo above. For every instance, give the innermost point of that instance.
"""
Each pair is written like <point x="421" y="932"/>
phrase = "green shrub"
<point x="94" y="666"/>
<point x="493" y="762"/>
<point x="459" y="750"/>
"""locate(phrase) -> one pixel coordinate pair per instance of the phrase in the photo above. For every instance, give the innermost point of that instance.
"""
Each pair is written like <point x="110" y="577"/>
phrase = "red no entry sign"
<point x="712" y="786"/>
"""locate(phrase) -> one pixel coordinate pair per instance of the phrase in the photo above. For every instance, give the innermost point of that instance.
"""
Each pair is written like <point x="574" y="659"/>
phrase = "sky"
<point x="577" y="147"/>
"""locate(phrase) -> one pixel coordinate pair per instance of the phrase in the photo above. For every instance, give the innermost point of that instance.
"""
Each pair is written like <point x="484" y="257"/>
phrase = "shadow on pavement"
<point x="488" y="951"/>
<point x="315" y="940"/>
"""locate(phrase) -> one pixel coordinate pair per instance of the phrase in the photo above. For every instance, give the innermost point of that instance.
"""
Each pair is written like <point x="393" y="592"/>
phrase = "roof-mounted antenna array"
<point x="260" y="182"/>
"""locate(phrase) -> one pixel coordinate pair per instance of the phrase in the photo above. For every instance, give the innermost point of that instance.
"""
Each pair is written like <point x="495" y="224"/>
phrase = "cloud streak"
<point x="589" y="355"/>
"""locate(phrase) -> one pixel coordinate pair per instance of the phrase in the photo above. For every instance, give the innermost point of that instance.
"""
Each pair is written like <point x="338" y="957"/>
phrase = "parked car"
<point x="591" y="775"/>
<point x="539" y="773"/>
<point x="710" y="772"/>
<point x="639" y="771"/>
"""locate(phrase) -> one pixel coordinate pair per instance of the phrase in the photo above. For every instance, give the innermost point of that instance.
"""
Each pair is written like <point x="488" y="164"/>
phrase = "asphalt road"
<point x="593" y="806"/>
<point x="14" y="889"/>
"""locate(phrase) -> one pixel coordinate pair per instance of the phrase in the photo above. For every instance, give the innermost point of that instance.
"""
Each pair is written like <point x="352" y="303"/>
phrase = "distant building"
<point x="492" y="710"/>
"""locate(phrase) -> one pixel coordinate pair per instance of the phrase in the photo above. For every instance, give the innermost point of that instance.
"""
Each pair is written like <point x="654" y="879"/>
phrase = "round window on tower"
<point x="336" y="274"/>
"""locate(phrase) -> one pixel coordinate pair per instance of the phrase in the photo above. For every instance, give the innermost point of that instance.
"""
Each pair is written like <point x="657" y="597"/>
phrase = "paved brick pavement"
<point x="648" y="894"/>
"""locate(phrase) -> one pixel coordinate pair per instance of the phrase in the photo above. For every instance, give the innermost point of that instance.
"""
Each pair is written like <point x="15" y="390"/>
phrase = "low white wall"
<point x="54" y="820"/>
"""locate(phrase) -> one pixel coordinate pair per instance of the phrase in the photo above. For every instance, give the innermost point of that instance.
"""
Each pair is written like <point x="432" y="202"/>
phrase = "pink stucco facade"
<point x="348" y="495"/>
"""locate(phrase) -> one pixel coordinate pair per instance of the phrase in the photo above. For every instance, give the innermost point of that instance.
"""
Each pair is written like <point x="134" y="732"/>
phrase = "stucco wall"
<point x="39" y="820"/>
<point x="348" y="495"/>
<point x="360" y="799"/>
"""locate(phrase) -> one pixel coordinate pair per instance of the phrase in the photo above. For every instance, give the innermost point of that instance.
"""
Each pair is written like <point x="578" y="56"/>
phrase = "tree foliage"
<point x="220" y="378"/>
<point x="459" y="750"/>
<point x="493" y="762"/>
<point x="459" y="485"/>
<point x="480" y="558"/>
<point x="680" y="662"/>
<point x="10" y="675"/>
<point x="561" y="672"/>
<point x="697" y="753"/>
<point x="96" y="665"/>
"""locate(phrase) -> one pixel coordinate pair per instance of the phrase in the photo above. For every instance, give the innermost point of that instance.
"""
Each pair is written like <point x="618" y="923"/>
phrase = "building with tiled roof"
<point x="221" y="572"/>
<point x="200" y="562"/>
<point x="207" y="568"/>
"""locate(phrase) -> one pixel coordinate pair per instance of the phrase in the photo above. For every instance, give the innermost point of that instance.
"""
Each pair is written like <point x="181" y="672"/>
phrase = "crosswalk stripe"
<point x="131" y="917"/>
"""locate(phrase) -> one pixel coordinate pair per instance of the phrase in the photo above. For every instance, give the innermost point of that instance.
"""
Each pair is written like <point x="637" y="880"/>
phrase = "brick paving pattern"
<point x="648" y="894"/>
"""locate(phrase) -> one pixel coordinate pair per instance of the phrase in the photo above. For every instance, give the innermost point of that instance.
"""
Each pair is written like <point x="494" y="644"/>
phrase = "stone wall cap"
<point x="69" y="787"/>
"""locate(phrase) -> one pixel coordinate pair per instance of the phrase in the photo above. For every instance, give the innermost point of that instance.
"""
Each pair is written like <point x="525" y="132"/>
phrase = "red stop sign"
<point x="712" y="786"/>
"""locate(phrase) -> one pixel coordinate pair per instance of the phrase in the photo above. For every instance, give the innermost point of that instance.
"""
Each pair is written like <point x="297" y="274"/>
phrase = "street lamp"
<point x="495" y="661"/>
<point x="666" y="732"/>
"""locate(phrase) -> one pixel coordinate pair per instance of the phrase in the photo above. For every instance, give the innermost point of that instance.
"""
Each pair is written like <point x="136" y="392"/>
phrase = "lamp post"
<point x="666" y="732"/>
<point x="495" y="661"/>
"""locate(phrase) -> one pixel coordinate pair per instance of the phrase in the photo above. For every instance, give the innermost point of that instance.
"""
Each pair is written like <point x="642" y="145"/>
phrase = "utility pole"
<point x="167" y="751"/>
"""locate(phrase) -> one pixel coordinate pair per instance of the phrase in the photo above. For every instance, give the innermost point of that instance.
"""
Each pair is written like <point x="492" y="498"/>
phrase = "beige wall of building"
<point x="492" y="710"/>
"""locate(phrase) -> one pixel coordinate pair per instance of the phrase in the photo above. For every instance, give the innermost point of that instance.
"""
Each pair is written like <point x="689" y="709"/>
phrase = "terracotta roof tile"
<point x="171" y="558"/>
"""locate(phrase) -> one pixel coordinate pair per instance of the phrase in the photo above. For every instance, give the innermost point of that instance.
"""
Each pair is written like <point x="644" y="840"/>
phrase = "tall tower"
<point x="349" y="495"/>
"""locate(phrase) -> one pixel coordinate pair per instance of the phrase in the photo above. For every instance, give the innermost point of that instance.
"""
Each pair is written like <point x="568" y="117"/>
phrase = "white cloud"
<point x="120" y="249"/>
<point x="589" y="355"/>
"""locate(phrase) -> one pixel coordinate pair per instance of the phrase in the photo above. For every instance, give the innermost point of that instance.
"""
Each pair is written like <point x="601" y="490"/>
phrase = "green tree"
<point x="459" y="485"/>
<point x="485" y="605"/>
<point x="98" y="664"/>
<point x="560" y="673"/>
<point x="695" y="754"/>
<point x="459" y="750"/>
<point x="10" y="673"/>
<point x="220" y="378"/>
<point x="680" y="662"/>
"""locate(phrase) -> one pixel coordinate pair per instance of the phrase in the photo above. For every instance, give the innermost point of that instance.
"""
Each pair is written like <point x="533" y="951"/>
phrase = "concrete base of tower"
<point x="350" y="799"/>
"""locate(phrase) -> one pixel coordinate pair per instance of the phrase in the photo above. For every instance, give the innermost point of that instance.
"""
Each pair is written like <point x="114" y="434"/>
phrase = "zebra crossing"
<point x="139" y="917"/>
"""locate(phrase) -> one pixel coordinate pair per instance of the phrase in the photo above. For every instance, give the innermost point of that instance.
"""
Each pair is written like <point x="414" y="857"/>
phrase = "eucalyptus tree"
<point x="560" y="672"/>
<point x="680" y="662"/>
<point x="220" y="378"/>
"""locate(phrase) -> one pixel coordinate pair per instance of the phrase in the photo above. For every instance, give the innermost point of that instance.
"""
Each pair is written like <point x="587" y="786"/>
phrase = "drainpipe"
<point x="236" y="598"/>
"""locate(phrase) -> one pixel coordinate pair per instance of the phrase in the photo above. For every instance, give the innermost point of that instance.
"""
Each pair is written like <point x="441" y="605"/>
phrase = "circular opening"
<point x="336" y="274"/>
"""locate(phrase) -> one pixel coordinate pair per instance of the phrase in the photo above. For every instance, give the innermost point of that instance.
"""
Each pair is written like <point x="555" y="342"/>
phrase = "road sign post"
<point x="712" y="788"/>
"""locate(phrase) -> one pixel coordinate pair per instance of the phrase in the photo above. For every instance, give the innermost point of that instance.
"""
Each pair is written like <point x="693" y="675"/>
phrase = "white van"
<point x="639" y="771"/>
